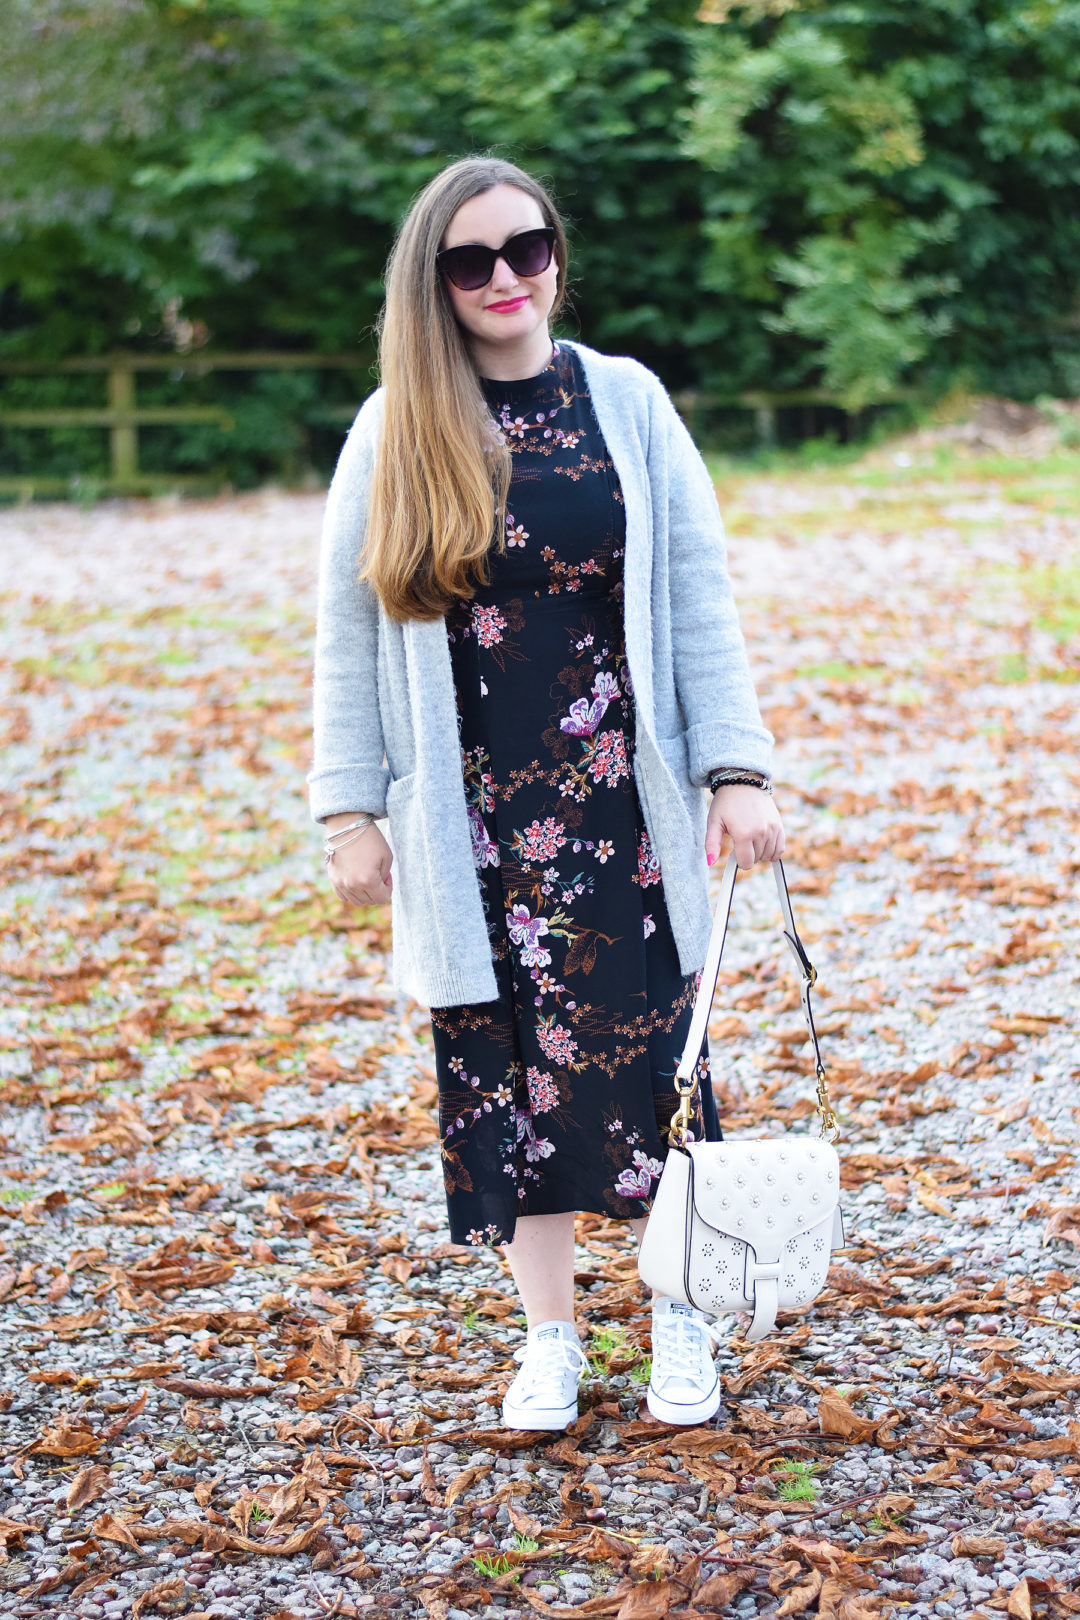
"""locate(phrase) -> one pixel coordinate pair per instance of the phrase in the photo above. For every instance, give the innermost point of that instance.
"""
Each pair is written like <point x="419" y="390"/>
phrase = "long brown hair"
<point x="441" y="475"/>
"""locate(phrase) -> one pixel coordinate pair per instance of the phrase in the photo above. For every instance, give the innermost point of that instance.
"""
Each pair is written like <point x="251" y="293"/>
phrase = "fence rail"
<point x="122" y="416"/>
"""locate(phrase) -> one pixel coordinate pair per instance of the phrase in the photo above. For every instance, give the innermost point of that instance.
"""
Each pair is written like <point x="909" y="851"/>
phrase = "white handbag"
<point x="749" y="1225"/>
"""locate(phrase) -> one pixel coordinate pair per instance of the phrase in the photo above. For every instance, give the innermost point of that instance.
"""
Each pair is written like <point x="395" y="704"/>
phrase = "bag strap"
<point x="685" y="1075"/>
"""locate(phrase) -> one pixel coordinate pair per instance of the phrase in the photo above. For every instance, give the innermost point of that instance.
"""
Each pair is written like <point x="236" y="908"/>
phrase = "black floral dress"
<point x="554" y="1097"/>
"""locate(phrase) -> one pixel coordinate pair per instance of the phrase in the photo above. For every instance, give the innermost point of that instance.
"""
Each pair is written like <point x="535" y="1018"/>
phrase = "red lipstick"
<point x="509" y="304"/>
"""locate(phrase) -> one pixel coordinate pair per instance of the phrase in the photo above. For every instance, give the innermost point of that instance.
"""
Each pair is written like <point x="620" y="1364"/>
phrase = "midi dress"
<point x="556" y="1096"/>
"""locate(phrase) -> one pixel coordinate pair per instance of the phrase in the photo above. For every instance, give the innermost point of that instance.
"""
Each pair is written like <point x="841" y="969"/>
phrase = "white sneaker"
<point x="683" y="1386"/>
<point x="544" y="1393"/>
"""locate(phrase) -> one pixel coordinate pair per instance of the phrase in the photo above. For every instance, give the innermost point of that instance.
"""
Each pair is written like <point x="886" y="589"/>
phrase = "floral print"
<point x="555" y="1096"/>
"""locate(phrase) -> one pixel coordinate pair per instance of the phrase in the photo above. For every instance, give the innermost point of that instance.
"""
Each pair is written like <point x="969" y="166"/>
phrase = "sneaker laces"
<point x="545" y="1363"/>
<point x="684" y="1343"/>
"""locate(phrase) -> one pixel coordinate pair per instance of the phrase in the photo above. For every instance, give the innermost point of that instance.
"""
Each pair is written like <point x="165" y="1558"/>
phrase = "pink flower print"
<point x="603" y="851"/>
<point x="647" y="864"/>
<point x="650" y="926"/>
<point x="543" y="1092"/>
<point x="556" y="1042"/>
<point x="542" y="840"/>
<point x="589" y="566"/>
<point x="516" y="533"/>
<point x="608" y="762"/>
<point x="515" y="428"/>
<point x="485" y="851"/>
<point x="525" y="933"/>
<point x="488" y="624"/>
<point x="637" y="1182"/>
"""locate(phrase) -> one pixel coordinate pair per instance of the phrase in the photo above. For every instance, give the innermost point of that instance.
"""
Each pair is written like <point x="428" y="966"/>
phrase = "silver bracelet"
<point x="365" y="820"/>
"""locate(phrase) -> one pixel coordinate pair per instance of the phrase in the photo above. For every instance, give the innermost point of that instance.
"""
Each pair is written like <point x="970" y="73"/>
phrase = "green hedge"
<point x="769" y="195"/>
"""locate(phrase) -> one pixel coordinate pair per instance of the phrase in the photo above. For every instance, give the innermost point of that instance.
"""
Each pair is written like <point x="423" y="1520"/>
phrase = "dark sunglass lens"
<point x="530" y="253"/>
<point x="469" y="266"/>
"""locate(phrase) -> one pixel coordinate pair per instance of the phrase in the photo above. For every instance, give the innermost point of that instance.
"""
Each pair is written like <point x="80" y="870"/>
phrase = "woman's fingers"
<point x="752" y="822"/>
<point x="360" y="872"/>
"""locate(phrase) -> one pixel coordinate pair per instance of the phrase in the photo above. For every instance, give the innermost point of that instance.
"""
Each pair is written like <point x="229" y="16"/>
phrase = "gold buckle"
<point x="830" y="1125"/>
<point x="680" y="1119"/>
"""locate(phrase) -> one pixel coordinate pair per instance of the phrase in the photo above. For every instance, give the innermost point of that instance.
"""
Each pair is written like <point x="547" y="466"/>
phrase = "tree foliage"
<point x="859" y="193"/>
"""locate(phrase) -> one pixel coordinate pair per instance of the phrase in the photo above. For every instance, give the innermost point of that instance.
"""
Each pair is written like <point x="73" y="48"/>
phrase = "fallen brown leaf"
<point x="88" y="1483"/>
<point x="1018" y="1603"/>
<point x="171" y="1590"/>
<point x="109" y="1528"/>
<point x="965" y="1545"/>
<point x="651" y="1600"/>
<point x="835" y="1416"/>
<point x="462" y="1481"/>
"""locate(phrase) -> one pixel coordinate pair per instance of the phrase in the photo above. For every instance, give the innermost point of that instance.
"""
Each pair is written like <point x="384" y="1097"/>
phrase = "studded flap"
<point x="765" y="1193"/>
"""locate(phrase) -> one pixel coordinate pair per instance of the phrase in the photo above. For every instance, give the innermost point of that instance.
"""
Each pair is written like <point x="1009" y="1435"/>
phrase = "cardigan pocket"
<point x="675" y="752"/>
<point x="407" y="910"/>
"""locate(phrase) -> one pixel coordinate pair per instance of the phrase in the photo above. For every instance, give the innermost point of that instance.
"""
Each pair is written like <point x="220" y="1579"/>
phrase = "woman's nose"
<point x="503" y="278"/>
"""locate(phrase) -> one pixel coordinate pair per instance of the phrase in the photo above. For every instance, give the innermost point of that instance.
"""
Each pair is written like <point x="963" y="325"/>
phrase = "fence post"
<point x="123" y="440"/>
<point x="766" y="426"/>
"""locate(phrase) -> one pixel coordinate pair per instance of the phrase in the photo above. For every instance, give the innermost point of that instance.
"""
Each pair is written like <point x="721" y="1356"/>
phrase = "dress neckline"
<point x="522" y="387"/>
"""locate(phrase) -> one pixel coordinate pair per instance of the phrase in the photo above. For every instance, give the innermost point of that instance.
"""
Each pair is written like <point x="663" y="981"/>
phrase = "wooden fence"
<point x="122" y="416"/>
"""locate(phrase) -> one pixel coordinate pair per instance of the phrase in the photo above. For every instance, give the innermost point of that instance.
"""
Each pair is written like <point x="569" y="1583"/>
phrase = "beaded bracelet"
<point x="734" y="776"/>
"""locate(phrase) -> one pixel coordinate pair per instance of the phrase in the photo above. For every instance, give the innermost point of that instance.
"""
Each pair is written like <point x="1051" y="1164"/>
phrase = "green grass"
<point x="608" y="1343"/>
<point x="602" y="1346"/>
<point x="525" y="1544"/>
<point x="797" y="1482"/>
<point x="838" y="671"/>
<point x="492" y="1567"/>
<point x="110" y="1189"/>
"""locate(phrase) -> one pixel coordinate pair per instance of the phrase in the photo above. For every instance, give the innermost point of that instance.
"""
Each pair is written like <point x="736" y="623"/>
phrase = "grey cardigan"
<point x="386" y="736"/>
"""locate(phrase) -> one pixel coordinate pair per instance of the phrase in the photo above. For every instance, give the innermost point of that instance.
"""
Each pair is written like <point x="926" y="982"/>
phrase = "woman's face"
<point x="511" y="308"/>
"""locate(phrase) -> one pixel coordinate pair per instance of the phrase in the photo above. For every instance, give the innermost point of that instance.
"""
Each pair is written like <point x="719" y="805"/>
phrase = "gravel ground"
<point x="245" y="1374"/>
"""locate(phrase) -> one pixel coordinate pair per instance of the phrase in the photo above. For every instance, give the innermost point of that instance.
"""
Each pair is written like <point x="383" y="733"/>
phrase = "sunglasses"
<point x="472" y="265"/>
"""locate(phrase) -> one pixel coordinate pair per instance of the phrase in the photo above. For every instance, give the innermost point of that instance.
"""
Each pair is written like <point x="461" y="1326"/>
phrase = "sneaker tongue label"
<point x="548" y="1333"/>
<point x="676" y="1308"/>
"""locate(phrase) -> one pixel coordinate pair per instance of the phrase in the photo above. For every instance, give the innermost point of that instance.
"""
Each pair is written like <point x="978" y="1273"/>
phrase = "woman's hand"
<point x="749" y="818"/>
<point x="360" y="872"/>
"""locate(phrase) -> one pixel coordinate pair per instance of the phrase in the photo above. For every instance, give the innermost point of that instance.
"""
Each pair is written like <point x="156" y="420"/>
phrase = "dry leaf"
<point x="801" y="1595"/>
<point x="835" y="1416"/>
<point x="972" y="1546"/>
<point x="721" y="1590"/>
<point x="89" y="1482"/>
<point x="171" y="1590"/>
<point x="651" y="1600"/>
<point x="1064" y="1223"/>
<point x="462" y="1481"/>
<point x="67" y="1438"/>
<point x="109" y="1528"/>
<point x="1019" y="1601"/>
<point x="522" y="1522"/>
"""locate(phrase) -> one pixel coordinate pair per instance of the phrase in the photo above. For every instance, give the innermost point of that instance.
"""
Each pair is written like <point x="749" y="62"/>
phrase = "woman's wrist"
<point x="343" y="818"/>
<point x="739" y="776"/>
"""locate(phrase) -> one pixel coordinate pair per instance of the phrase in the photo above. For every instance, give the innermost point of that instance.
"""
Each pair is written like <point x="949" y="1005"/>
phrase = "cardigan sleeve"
<point x="712" y="674"/>
<point x="348" y="767"/>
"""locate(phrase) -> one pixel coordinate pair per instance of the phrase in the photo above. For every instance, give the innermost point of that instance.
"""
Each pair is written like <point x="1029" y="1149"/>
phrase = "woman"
<point x="528" y="660"/>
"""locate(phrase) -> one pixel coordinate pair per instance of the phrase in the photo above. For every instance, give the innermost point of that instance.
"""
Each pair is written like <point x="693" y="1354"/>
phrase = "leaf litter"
<point x="245" y="1374"/>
